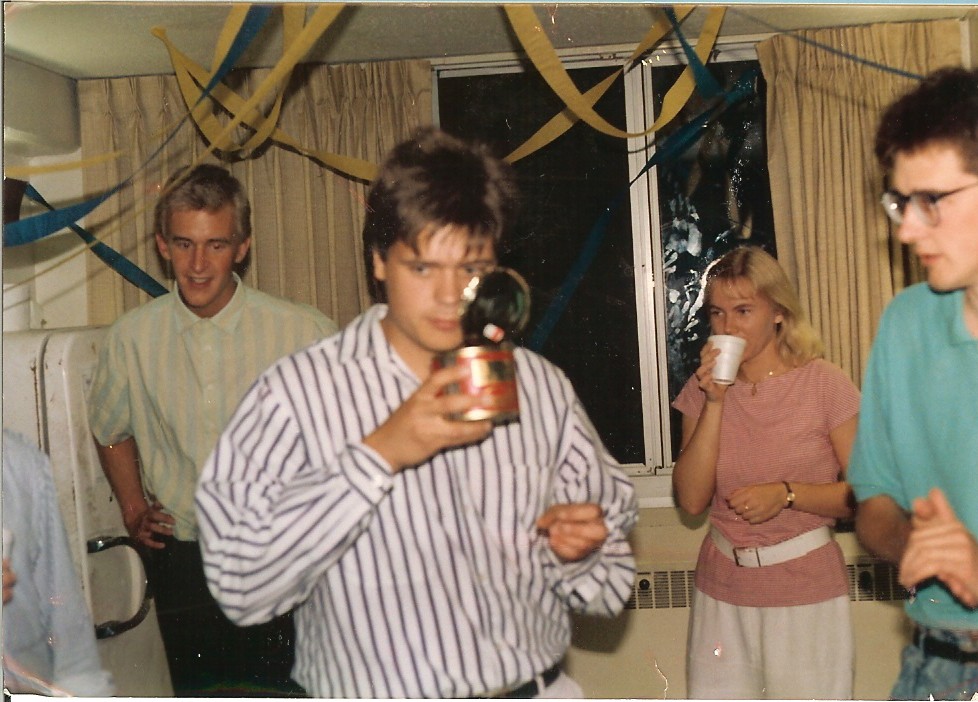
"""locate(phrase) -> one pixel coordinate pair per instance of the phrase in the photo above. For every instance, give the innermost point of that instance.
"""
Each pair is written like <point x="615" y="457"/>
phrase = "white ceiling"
<point x="92" y="39"/>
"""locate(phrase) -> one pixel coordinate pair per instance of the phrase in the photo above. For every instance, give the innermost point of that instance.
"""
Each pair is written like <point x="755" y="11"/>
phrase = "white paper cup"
<point x="731" y="351"/>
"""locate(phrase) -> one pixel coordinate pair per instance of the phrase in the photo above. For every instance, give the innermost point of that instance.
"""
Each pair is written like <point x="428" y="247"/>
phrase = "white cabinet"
<point x="46" y="377"/>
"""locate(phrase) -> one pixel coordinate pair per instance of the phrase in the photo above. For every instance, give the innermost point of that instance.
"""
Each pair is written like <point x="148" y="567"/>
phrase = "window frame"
<point x="652" y="478"/>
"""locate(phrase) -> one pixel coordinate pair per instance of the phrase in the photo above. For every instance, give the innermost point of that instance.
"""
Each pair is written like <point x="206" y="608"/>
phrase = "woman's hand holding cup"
<point x="717" y="357"/>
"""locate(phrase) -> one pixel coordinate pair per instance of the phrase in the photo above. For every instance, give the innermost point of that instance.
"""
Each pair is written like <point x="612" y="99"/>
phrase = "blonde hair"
<point x="797" y="341"/>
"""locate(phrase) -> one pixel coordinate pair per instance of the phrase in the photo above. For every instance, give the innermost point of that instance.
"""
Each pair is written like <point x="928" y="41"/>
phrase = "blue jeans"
<point x="924" y="676"/>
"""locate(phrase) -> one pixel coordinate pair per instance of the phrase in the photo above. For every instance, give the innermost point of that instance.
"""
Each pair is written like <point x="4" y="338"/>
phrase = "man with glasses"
<point x="914" y="468"/>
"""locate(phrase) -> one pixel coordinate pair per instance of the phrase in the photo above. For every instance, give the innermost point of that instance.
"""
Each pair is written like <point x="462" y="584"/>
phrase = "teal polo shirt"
<point x="918" y="423"/>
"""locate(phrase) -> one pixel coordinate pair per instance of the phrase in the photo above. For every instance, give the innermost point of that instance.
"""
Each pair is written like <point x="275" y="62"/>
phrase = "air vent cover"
<point x="870" y="580"/>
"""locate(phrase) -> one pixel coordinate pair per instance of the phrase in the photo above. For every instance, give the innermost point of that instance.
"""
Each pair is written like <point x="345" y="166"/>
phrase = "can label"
<point x="492" y="379"/>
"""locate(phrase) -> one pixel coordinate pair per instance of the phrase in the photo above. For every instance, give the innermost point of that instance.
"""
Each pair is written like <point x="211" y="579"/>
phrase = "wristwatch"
<point x="790" y="498"/>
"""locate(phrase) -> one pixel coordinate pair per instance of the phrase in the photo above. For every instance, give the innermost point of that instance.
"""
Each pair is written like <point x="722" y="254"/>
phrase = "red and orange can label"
<point x="492" y="379"/>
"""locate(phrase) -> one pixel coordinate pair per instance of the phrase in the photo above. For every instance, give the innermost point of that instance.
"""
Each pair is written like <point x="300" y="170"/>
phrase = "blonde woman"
<point x="767" y="456"/>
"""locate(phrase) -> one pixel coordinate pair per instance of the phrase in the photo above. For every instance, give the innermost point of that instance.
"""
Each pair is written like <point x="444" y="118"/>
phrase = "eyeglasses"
<point x="924" y="202"/>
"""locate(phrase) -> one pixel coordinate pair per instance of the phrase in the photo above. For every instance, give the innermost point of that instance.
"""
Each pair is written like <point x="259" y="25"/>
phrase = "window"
<point x="592" y="247"/>
<point x="712" y="198"/>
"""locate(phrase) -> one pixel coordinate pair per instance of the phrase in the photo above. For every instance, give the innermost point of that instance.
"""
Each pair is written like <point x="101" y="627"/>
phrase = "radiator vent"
<point x="870" y="580"/>
<point x="661" y="589"/>
<point x="874" y="580"/>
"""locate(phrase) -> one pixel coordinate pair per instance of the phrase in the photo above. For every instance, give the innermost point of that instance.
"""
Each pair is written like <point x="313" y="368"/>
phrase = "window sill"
<point x="653" y="490"/>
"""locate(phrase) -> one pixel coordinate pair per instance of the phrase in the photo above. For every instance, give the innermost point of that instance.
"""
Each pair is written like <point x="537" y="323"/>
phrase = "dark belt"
<point x="529" y="689"/>
<point x="942" y="649"/>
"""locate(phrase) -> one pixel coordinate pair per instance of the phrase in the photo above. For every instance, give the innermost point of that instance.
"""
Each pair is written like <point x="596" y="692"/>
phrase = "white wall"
<point x="43" y="282"/>
<point x="40" y="111"/>
<point x="50" y="272"/>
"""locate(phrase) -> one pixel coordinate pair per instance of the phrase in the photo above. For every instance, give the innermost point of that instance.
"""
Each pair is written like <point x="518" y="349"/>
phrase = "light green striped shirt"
<point x="172" y="380"/>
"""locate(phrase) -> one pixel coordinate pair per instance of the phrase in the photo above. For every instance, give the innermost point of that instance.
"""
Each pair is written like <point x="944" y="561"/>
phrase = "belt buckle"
<point x="746" y="556"/>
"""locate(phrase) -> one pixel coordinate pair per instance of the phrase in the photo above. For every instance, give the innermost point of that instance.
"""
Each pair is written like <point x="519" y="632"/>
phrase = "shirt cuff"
<point x="367" y="472"/>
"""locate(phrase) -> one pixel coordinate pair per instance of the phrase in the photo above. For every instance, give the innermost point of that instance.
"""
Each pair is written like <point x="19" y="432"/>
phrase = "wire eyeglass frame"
<point x="924" y="201"/>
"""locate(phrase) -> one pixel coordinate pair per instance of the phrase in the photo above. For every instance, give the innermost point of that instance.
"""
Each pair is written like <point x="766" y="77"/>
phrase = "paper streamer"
<point x="565" y="119"/>
<point x="263" y="126"/>
<point x="671" y="148"/>
<point x="706" y="84"/>
<point x="39" y="226"/>
<point x="24" y="172"/>
<point x="544" y="57"/>
<point x="189" y="72"/>
<point x="115" y="260"/>
<point x="555" y="127"/>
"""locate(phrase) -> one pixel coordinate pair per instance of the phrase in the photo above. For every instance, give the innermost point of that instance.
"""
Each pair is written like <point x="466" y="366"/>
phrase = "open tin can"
<point x="492" y="379"/>
<point x="494" y="307"/>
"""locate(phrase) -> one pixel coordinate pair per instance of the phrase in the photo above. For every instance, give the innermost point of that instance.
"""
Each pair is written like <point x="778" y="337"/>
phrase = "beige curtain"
<point x="307" y="220"/>
<point x="832" y="236"/>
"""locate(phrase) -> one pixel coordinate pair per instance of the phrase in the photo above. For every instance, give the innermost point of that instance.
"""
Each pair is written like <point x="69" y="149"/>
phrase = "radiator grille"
<point x="874" y="580"/>
<point x="869" y="580"/>
<point x="661" y="589"/>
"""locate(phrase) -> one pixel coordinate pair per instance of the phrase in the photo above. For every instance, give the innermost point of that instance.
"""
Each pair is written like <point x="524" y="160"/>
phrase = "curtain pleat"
<point x="832" y="236"/>
<point x="306" y="219"/>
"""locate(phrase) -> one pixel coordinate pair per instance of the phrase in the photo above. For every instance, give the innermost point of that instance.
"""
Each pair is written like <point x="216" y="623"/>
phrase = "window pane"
<point x="715" y="197"/>
<point x="567" y="187"/>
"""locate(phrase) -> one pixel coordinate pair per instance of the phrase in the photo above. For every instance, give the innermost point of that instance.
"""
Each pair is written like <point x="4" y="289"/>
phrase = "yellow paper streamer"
<point x="190" y="74"/>
<point x="565" y="119"/>
<point x="296" y="42"/>
<point x="23" y="172"/>
<point x="544" y="57"/>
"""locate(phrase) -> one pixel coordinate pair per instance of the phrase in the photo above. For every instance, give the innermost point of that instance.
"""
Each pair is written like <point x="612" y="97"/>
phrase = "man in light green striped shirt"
<point x="170" y="374"/>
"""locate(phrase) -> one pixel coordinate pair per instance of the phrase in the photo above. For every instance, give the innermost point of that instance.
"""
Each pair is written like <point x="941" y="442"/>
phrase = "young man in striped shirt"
<point x="425" y="557"/>
<point x="170" y="374"/>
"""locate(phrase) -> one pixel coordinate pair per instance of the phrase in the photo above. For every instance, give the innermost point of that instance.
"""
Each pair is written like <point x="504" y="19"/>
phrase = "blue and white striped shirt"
<point x="431" y="582"/>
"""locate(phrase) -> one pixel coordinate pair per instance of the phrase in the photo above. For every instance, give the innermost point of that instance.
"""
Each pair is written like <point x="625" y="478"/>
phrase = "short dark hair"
<point x="942" y="109"/>
<point x="205" y="187"/>
<point x="433" y="180"/>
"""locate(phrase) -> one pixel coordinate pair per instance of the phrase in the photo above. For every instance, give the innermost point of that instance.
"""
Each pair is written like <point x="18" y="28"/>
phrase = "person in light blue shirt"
<point x="914" y="467"/>
<point x="48" y="636"/>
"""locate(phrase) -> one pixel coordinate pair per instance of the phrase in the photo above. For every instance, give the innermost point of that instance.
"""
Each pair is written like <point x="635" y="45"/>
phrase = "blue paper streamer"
<point x="39" y="226"/>
<point x="253" y="22"/>
<point x="117" y="261"/>
<point x="706" y="84"/>
<point x="832" y="50"/>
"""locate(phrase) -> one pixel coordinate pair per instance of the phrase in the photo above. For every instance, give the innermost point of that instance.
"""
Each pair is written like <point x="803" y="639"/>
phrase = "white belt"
<point x="759" y="556"/>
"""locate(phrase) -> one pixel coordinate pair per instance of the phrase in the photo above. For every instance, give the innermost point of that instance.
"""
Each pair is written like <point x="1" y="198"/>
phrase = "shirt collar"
<point x="379" y="347"/>
<point x="226" y="320"/>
